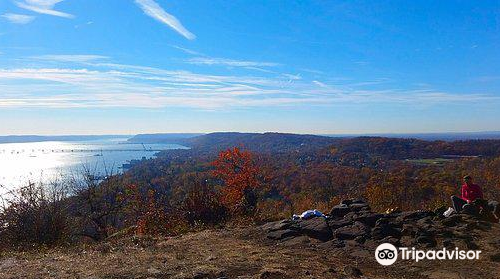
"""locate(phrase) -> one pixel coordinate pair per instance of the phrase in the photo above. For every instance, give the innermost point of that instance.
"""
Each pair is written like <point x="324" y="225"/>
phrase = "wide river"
<point x="45" y="161"/>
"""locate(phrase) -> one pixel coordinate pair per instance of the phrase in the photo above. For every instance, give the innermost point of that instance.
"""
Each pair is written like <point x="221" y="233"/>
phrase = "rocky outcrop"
<point x="352" y="221"/>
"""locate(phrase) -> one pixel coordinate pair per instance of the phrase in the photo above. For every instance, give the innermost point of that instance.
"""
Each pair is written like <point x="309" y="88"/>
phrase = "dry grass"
<point x="235" y="253"/>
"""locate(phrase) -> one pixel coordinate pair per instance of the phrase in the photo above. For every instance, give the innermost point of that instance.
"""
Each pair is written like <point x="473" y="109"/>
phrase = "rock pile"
<point x="353" y="222"/>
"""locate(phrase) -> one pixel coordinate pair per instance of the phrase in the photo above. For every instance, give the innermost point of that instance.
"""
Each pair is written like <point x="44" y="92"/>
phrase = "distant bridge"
<point x="78" y="150"/>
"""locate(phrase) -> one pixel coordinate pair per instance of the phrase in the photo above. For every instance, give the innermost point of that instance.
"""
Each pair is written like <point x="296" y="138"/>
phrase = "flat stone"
<point x="279" y="235"/>
<point x="316" y="228"/>
<point x="352" y="231"/>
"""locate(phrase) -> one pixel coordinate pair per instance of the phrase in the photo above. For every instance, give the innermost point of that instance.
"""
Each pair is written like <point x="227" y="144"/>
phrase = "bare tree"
<point x="99" y="200"/>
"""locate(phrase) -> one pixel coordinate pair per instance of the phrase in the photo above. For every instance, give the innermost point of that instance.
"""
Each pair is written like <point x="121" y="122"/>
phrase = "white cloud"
<point x="152" y="9"/>
<point x="186" y="50"/>
<point x="18" y="18"/>
<point x="43" y="7"/>
<point x="320" y="84"/>
<point x="77" y="58"/>
<point x="229" y="62"/>
<point x="97" y="83"/>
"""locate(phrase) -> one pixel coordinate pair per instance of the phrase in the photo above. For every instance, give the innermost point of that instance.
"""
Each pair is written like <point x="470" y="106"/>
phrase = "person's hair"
<point x="467" y="177"/>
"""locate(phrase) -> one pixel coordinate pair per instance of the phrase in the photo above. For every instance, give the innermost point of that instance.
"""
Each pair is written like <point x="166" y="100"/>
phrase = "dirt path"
<point x="237" y="253"/>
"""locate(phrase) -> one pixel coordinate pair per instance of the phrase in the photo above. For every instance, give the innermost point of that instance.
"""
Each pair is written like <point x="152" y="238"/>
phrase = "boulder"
<point x="316" y="228"/>
<point x="368" y="218"/>
<point x="346" y="202"/>
<point x="339" y="211"/>
<point x="351" y="224"/>
<point x="282" y="234"/>
<point x="384" y="228"/>
<point x="414" y="215"/>
<point x="359" y="207"/>
<point x="352" y="231"/>
<point x="279" y="225"/>
<point x="335" y="224"/>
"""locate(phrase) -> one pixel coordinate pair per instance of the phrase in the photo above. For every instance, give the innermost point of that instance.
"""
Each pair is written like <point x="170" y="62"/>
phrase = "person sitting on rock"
<point x="471" y="196"/>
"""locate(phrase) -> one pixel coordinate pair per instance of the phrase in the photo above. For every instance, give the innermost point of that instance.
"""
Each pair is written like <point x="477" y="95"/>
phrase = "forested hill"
<point x="396" y="148"/>
<point x="262" y="143"/>
<point x="323" y="146"/>
<point x="174" y="138"/>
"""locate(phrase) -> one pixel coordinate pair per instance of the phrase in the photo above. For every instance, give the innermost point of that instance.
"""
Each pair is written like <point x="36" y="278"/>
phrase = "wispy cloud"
<point x="320" y="84"/>
<point x="95" y="81"/>
<point x="229" y="62"/>
<point x="18" y="18"/>
<point x="43" y="7"/>
<point x="186" y="50"/>
<point x="152" y="9"/>
<point x="81" y="25"/>
<point x="77" y="58"/>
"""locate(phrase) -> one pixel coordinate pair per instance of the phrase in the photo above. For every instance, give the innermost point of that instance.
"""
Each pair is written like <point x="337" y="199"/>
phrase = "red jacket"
<point x="471" y="192"/>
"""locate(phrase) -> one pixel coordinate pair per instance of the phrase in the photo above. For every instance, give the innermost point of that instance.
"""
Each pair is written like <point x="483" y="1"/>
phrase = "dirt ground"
<point x="235" y="253"/>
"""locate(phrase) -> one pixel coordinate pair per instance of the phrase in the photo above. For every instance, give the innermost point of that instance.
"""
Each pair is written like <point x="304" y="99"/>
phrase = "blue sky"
<point x="136" y="66"/>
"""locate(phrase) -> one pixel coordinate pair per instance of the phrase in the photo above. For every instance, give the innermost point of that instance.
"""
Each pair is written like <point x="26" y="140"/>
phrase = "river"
<point x="46" y="161"/>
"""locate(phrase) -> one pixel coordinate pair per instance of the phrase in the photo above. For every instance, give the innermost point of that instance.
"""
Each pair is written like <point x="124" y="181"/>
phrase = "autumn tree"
<point x="237" y="171"/>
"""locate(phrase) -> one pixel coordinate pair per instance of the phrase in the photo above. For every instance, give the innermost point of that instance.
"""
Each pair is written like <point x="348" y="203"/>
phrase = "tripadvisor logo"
<point x="387" y="254"/>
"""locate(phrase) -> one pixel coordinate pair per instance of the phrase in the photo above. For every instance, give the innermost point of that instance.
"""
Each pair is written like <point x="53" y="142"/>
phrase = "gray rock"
<point x="383" y="230"/>
<point x="335" y="224"/>
<point x="414" y="215"/>
<point x="368" y="218"/>
<point x="279" y="225"/>
<point x="282" y="234"/>
<point x="339" y="211"/>
<point x="359" y="207"/>
<point x="316" y="228"/>
<point x="346" y="202"/>
<point x="352" y="231"/>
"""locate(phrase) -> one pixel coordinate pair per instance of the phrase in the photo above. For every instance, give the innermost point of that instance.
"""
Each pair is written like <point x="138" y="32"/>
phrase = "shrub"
<point x="202" y="206"/>
<point x="98" y="204"/>
<point x="34" y="215"/>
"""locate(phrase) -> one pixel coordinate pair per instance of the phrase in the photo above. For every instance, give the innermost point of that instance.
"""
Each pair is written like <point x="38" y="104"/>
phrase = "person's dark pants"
<point x="490" y="210"/>
<point x="458" y="203"/>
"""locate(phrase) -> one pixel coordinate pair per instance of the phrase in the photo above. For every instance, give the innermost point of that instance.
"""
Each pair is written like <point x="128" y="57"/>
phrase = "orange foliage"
<point x="239" y="174"/>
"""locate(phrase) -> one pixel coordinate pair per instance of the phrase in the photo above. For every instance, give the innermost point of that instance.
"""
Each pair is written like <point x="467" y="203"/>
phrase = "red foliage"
<point x="239" y="174"/>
